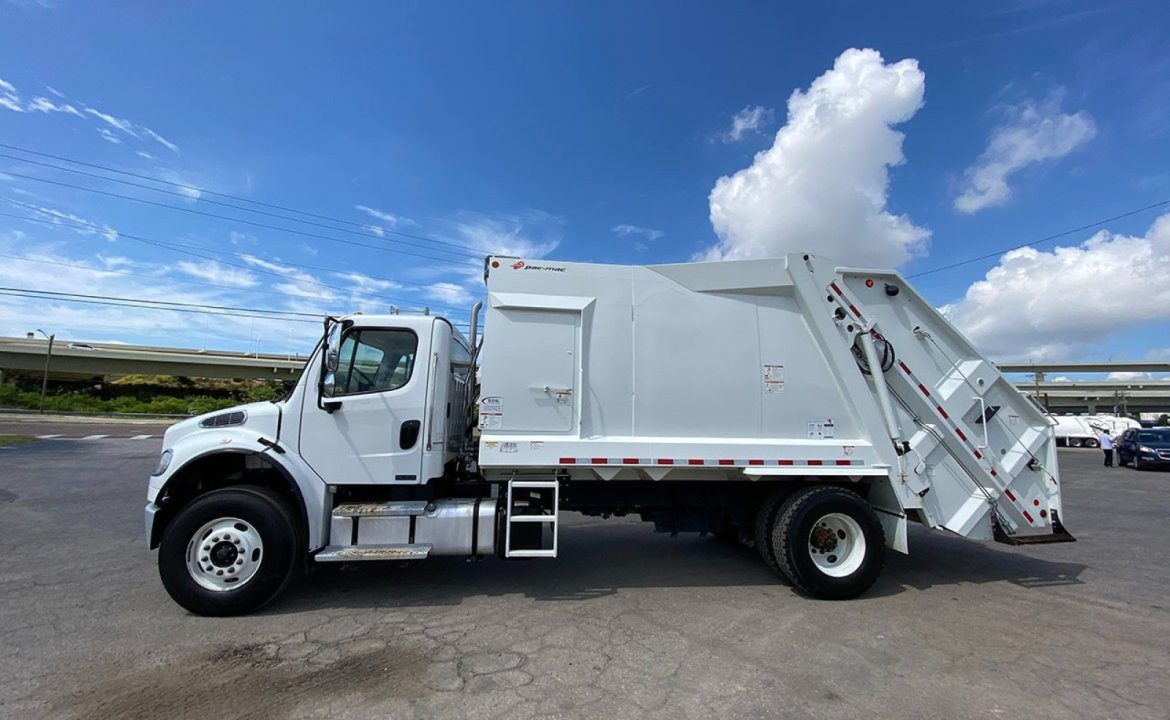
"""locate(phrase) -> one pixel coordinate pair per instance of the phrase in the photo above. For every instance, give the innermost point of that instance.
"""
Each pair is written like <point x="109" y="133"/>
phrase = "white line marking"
<point x="94" y="437"/>
<point x="142" y="437"/>
<point x="47" y="437"/>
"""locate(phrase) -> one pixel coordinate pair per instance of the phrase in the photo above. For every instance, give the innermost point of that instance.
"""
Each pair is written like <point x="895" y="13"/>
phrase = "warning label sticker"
<point x="773" y="379"/>
<point x="491" y="413"/>
<point x="820" y="429"/>
<point x="509" y="447"/>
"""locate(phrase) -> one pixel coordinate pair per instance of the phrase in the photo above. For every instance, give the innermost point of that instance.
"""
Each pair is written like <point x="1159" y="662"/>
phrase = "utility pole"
<point x="48" y="358"/>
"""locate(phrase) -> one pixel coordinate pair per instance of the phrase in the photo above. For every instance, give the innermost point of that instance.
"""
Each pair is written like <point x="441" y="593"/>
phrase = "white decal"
<point x="820" y="429"/>
<point x="773" y="379"/>
<point x="536" y="445"/>
<point x="508" y="447"/>
<point x="491" y="413"/>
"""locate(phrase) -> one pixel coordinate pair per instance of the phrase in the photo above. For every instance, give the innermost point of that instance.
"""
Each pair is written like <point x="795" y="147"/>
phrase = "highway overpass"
<point x="98" y="359"/>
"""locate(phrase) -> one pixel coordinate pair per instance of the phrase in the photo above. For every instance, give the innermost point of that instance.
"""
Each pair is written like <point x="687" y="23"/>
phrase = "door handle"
<point x="408" y="434"/>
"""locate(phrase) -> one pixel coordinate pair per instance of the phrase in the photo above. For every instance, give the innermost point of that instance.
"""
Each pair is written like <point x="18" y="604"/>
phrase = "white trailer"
<point x="809" y="410"/>
<point x="1074" y="431"/>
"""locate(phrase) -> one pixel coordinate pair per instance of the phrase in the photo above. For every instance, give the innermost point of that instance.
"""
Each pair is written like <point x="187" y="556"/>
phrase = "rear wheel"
<point x="229" y="552"/>
<point x="1091" y="443"/>
<point x="828" y="542"/>
<point x="765" y="522"/>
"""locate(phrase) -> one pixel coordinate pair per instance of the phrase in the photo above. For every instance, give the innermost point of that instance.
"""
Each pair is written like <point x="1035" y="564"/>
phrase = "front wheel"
<point x="828" y="542"/>
<point x="1137" y="462"/>
<point x="229" y="552"/>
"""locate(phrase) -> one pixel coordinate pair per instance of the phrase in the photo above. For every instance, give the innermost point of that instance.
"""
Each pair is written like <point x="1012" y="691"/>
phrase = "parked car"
<point x="1144" y="448"/>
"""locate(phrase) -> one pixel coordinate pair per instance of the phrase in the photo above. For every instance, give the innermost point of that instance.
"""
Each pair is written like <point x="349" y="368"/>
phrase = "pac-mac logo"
<point x="517" y="265"/>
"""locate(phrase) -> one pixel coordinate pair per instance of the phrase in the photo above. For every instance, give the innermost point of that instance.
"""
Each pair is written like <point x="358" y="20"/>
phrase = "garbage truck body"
<point x="810" y="410"/>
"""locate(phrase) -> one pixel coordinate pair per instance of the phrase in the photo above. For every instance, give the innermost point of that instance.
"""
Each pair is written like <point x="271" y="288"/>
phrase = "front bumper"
<point x="151" y="512"/>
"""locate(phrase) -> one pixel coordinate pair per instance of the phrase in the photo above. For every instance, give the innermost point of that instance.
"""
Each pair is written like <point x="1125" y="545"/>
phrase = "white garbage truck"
<point x="810" y="410"/>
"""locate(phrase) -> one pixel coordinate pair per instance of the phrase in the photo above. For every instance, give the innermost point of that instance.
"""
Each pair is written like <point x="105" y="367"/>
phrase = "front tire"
<point x="828" y="542"/>
<point x="1137" y="462"/>
<point x="228" y="552"/>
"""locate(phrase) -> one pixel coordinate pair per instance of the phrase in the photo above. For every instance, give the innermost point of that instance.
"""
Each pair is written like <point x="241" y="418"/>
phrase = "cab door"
<point x="373" y="434"/>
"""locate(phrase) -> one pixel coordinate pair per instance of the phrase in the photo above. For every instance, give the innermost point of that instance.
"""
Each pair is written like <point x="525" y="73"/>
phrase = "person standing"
<point x="1106" y="446"/>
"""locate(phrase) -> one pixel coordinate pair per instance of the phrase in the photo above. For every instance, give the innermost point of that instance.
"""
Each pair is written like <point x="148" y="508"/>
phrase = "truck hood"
<point x="262" y="418"/>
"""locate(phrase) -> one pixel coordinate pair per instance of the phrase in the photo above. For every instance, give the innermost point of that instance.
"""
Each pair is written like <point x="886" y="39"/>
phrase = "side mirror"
<point x="327" y="384"/>
<point x="331" y="360"/>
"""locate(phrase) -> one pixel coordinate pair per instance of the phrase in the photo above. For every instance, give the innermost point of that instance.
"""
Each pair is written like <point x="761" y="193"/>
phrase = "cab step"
<point x="1059" y="535"/>
<point x="355" y="553"/>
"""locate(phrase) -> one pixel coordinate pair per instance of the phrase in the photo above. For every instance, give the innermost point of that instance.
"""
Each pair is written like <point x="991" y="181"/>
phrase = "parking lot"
<point x="626" y="623"/>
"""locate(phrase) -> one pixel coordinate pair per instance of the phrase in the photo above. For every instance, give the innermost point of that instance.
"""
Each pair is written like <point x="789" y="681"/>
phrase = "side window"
<point x="374" y="361"/>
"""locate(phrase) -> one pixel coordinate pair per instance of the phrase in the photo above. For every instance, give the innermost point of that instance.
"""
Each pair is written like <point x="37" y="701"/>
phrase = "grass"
<point x="9" y="440"/>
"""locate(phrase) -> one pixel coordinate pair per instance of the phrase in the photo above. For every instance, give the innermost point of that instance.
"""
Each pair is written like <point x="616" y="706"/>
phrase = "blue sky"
<point x="596" y="131"/>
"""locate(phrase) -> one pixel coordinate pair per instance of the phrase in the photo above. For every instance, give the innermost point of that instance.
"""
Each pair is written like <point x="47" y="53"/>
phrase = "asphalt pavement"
<point x="625" y="624"/>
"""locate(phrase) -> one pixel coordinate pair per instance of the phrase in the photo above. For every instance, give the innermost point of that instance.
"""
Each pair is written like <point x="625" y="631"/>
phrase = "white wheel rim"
<point x="224" y="554"/>
<point x="836" y="545"/>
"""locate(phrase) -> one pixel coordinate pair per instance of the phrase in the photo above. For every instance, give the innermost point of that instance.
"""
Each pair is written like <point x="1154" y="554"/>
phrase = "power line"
<point x="179" y="247"/>
<point x="244" y="209"/>
<point x="249" y="267"/>
<point x="277" y="228"/>
<point x="142" y="304"/>
<point x="205" y="191"/>
<point x="37" y="295"/>
<point x="1041" y="240"/>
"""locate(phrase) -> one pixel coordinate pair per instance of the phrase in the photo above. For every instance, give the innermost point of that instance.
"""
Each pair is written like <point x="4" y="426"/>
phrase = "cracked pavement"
<point x="625" y="624"/>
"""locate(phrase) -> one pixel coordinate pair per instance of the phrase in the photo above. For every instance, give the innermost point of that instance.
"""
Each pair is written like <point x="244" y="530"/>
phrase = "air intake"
<point x="224" y="419"/>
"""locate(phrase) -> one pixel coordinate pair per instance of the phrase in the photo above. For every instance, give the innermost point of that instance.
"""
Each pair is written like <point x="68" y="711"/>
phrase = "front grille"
<point x="1164" y="454"/>
<point x="224" y="419"/>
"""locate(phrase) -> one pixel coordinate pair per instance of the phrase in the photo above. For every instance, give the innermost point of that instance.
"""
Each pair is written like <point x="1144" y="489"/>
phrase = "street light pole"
<point x="45" y="379"/>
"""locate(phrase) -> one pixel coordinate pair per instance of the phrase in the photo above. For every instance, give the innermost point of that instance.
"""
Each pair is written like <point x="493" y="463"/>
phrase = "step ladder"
<point x="533" y="506"/>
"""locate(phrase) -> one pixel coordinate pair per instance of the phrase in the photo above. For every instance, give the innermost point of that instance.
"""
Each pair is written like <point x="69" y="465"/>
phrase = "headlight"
<point x="164" y="462"/>
<point x="1145" y="449"/>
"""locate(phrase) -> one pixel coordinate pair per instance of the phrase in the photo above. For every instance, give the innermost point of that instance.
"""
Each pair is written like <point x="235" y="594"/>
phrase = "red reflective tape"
<point x="844" y="462"/>
<point x="693" y="461"/>
<point x="1027" y="516"/>
<point x="835" y="288"/>
<point x="855" y="310"/>
<point x="665" y="461"/>
<point x="755" y="462"/>
<point x="942" y="412"/>
<point x="723" y="461"/>
<point x="629" y="461"/>
<point x="960" y="434"/>
<point x="903" y="366"/>
<point x="785" y="462"/>
<point x="1009" y="494"/>
<point x="815" y="462"/>
<point x="978" y="456"/>
<point x="923" y="389"/>
<point x="568" y="461"/>
<point x="600" y="461"/>
<point x="994" y="473"/>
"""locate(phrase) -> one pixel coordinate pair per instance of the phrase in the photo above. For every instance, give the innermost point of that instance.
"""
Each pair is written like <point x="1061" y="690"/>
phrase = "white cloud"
<point x="1128" y="375"/>
<point x="365" y="283"/>
<point x="160" y="140"/>
<point x="645" y="235"/>
<point x="117" y="123"/>
<point x="107" y="135"/>
<point x="391" y="220"/>
<point x="822" y="185"/>
<point x="747" y="120"/>
<point x="1053" y="305"/>
<point x="45" y="105"/>
<point x="1030" y="133"/>
<point x="510" y="234"/>
<point x="9" y="97"/>
<point x="303" y="285"/>
<point x="218" y="274"/>
<point x="448" y="293"/>
<point x="143" y="154"/>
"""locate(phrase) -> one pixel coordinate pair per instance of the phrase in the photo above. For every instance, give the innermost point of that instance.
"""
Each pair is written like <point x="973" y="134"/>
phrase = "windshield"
<point x="1154" y="436"/>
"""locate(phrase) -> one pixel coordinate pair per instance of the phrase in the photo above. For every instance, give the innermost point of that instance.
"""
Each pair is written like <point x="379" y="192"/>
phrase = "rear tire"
<point x="765" y="522"/>
<point x="1090" y="443"/>
<point x="828" y="542"/>
<point x="229" y="552"/>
